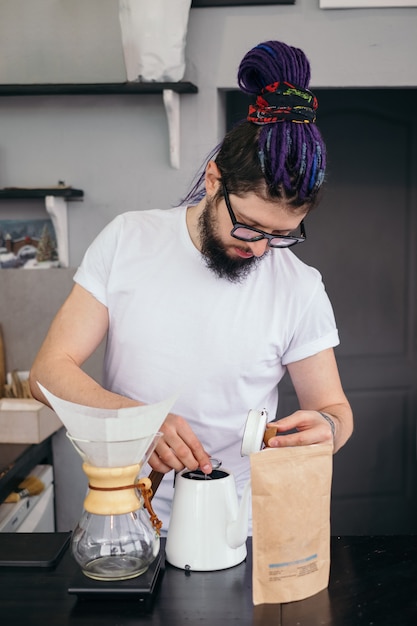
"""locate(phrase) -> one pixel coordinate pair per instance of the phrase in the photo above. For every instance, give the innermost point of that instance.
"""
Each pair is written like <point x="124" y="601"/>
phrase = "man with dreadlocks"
<point x="207" y="298"/>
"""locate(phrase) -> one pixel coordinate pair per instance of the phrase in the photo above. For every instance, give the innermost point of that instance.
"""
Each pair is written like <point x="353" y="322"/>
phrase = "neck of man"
<point x="192" y="220"/>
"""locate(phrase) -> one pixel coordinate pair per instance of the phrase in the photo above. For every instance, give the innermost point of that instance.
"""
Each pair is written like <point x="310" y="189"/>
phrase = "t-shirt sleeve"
<point x="315" y="330"/>
<point x="94" y="271"/>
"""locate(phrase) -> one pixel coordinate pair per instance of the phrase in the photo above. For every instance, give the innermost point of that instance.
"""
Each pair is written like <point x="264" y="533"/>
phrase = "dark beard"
<point x="215" y="256"/>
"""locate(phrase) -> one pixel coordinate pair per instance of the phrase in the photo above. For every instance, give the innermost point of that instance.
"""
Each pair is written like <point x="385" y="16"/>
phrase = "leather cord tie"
<point x="146" y="492"/>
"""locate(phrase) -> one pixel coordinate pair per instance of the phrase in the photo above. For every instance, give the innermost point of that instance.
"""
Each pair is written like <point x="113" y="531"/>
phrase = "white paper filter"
<point x="96" y="431"/>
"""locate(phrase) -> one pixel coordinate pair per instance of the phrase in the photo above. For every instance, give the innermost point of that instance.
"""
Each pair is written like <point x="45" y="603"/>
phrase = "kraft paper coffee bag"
<point x="291" y="490"/>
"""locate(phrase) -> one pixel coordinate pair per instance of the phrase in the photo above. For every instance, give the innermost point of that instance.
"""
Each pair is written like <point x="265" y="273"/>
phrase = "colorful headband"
<point x="283" y="102"/>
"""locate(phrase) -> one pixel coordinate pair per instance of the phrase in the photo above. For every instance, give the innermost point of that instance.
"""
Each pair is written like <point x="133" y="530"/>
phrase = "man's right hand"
<point x="179" y="448"/>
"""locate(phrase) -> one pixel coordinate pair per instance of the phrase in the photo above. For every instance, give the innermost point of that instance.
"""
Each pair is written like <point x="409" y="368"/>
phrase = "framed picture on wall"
<point x="365" y="4"/>
<point x="236" y="3"/>
<point x="27" y="244"/>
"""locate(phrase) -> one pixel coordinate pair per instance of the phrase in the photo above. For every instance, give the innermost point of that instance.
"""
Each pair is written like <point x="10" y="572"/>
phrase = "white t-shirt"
<point x="176" y="326"/>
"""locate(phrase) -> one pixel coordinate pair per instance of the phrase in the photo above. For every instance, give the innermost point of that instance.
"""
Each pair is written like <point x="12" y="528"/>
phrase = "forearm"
<point x="67" y="380"/>
<point x="342" y="418"/>
<point x="318" y="387"/>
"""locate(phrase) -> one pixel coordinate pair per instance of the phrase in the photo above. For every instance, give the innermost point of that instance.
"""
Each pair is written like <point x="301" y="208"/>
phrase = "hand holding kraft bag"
<point x="291" y="489"/>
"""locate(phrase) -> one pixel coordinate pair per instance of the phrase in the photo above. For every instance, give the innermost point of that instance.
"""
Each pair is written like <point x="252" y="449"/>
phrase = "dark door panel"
<point x="363" y="239"/>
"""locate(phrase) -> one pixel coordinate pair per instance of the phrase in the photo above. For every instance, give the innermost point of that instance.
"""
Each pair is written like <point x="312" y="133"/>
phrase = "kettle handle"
<point x="237" y="530"/>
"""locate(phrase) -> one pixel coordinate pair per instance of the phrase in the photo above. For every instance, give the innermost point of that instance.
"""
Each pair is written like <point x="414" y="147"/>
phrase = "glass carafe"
<point x="116" y="537"/>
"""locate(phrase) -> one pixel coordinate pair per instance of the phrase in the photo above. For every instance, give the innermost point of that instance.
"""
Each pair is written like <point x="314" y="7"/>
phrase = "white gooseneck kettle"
<point x="209" y="527"/>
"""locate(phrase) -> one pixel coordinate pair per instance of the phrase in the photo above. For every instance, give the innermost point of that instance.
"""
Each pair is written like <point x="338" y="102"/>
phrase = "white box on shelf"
<point x="26" y="421"/>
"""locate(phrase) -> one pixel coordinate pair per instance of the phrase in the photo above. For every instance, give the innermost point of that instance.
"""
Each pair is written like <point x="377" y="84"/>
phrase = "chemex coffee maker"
<point x="117" y="537"/>
<point x="116" y="542"/>
<point x="209" y="527"/>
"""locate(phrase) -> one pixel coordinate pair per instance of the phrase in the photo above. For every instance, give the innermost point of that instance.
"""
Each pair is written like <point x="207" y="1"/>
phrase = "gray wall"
<point x="116" y="147"/>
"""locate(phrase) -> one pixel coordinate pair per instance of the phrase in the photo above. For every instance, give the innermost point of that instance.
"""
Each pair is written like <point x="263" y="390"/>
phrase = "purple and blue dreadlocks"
<point x="278" y="151"/>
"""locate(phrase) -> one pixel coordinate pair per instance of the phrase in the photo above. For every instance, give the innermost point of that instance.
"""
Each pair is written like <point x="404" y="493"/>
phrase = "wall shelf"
<point x="169" y="91"/>
<point x="85" y="89"/>
<point x="10" y="193"/>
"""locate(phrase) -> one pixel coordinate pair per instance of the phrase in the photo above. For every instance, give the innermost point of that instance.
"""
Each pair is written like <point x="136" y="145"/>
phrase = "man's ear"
<point x="212" y="178"/>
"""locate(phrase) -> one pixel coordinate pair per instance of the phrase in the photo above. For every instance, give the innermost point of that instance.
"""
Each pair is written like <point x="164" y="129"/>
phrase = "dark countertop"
<point x="373" y="582"/>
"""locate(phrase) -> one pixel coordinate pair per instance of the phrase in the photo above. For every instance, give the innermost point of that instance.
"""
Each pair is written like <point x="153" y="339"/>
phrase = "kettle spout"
<point x="237" y="530"/>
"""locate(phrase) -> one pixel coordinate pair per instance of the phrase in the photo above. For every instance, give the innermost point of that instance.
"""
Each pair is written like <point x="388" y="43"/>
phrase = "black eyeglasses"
<point x="249" y="233"/>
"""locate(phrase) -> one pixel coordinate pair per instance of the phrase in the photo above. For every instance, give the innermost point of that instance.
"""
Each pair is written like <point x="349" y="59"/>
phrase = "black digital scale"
<point x="142" y="589"/>
<point x="32" y="550"/>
